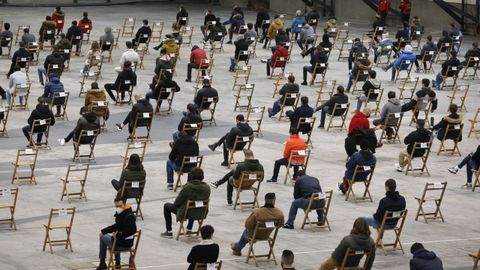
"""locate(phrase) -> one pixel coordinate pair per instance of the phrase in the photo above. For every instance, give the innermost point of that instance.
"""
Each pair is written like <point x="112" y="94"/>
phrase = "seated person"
<point x="452" y="62"/>
<point x="369" y="86"/>
<point x="317" y="57"/>
<point x="88" y="121"/>
<point x="331" y="25"/>
<point x="4" y="35"/>
<point x="472" y="161"/>
<point x="312" y="17"/>
<point x="47" y="25"/>
<point x="161" y="89"/>
<point x="406" y="55"/>
<point x="197" y="58"/>
<point x="281" y="38"/>
<point x="266" y="213"/>
<point x="357" y="49"/>
<point x="55" y="58"/>
<point x="302" y="111"/>
<point x="65" y="46"/>
<point x="236" y="20"/>
<point x="85" y="23"/>
<point x="170" y="44"/>
<point x="416" y="26"/>
<point x="362" y="64"/>
<point x="289" y="88"/>
<point x="122" y="231"/>
<point x="443" y="40"/>
<point x="304" y="187"/>
<point x="134" y="172"/>
<point x="402" y="36"/>
<point x="242" y="128"/>
<point x="472" y="52"/>
<point x="127" y="74"/>
<point x="297" y="22"/>
<point x="194" y="190"/>
<point x="72" y="33"/>
<point x="307" y="37"/>
<point x="452" y="119"/>
<point x="107" y="37"/>
<point x="251" y="34"/>
<point x="233" y="177"/>
<point x="129" y="55"/>
<point x="287" y="260"/>
<point x="207" y="91"/>
<point x="215" y="30"/>
<point x="95" y="94"/>
<point x="141" y="32"/>
<point x="359" y="239"/>
<point x="184" y="146"/>
<point x="93" y="57"/>
<point x="364" y="157"/>
<point x="275" y="26"/>
<point x="20" y="53"/>
<point x="54" y="86"/>
<point x="28" y="38"/>
<point x="142" y="106"/>
<point x="294" y="143"/>
<point x="17" y="77"/>
<point x="280" y="51"/>
<point x="162" y="63"/>
<point x="392" y="106"/>
<point x="205" y="252"/>
<point x="42" y="112"/>
<point x="425" y="93"/>
<point x="58" y="16"/>
<point x="419" y="135"/>
<point x="359" y="131"/>
<point x="392" y="201"/>
<point x="429" y="46"/>
<point x="424" y="259"/>
<point x="327" y="107"/>
<point x="241" y="44"/>
<point x="208" y="22"/>
<point x="192" y="116"/>
<point x="384" y="46"/>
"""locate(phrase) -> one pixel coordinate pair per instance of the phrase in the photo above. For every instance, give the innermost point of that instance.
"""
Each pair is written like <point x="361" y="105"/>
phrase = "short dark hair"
<point x="429" y="38"/>
<point x="421" y="123"/>
<point x="293" y="130"/>
<point x="6" y="26"/>
<point x="391" y="94"/>
<point x="391" y="184"/>
<point x="426" y="82"/>
<point x="163" y="51"/>
<point x="249" y="25"/>
<point x="145" y="22"/>
<point x="300" y="173"/>
<point x="453" y="53"/>
<point x="475" y="44"/>
<point x="240" y="117"/>
<point x="340" y="89"/>
<point x="129" y="44"/>
<point x="304" y="100"/>
<point x="415" y="247"/>
<point x="453" y="108"/>
<point x="207" y="231"/>
<point x="364" y="145"/>
<point x="26" y="30"/>
<point x="120" y="198"/>
<point x="48" y="18"/>
<point x="127" y="64"/>
<point x="16" y="68"/>
<point x="74" y="22"/>
<point x="288" y="257"/>
<point x="372" y="73"/>
<point x="291" y="78"/>
<point x="197" y="174"/>
<point x="94" y="85"/>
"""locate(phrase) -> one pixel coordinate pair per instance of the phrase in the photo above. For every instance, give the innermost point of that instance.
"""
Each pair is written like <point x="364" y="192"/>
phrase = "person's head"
<point x="94" y="85"/>
<point x="248" y="154"/>
<point x="445" y="33"/>
<point x="415" y="247"/>
<point x="26" y="30"/>
<point x="6" y="26"/>
<point x="420" y="123"/>
<point x="63" y="36"/>
<point x="453" y="54"/>
<point x="95" y="46"/>
<point x="119" y="203"/>
<point x="138" y="97"/>
<point x="287" y="258"/>
<point x="298" y="13"/>
<point x="405" y="24"/>
<point x="145" y="22"/>
<point x="293" y="131"/>
<point x="390" y="185"/>
<point x="57" y="9"/>
<point x="367" y="111"/>
<point x="83" y="110"/>
<point x="426" y="82"/>
<point x="196" y="174"/>
<point x="206" y="82"/>
<point x="206" y="231"/>
<point x="360" y="227"/>
<point x="391" y="94"/>
<point x="85" y="14"/>
<point x="127" y="65"/>
<point x="74" y="23"/>
<point x="240" y="118"/>
<point x="304" y="100"/>
<point x="364" y="145"/>
<point x="16" y="68"/>
<point x="134" y="161"/>
<point x="475" y="45"/>
<point x="21" y="44"/>
<point x="453" y="108"/>
<point x="129" y="44"/>
<point x="48" y="18"/>
<point x="372" y="73"/>
<point x="429" y="38"/>
<point x="250" y="26"/>
<point x="42" y="100"/>
<point x="301" y="173"/>
<point x="169" y="36"/>
<point x="291" y="78"/>
<point x="163" y="51"/>
<point x="218" y="19"/>
<point x="175" y="27"/>
<point x="340" y="89"/>
<point x="276" y="16"/>
<point x="270" y="199"/>
<point x="356" y="40"/>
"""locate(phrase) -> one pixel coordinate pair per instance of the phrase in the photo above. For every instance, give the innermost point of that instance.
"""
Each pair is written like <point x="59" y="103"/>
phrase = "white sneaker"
<point x="398" y="167"/>
<point x="467" y="185"/>
<point x="61" y="142"/>
<point x="453" y="170"/>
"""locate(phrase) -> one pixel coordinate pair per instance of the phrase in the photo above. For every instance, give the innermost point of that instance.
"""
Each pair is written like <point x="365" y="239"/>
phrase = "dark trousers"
<point x="224" y="179"/>
<point x="225" y="150"/>
<point x="189" y="69"/>
<point x="282" y="162"/>
<point x="168" y="210"/>
<point x="26" y="131"/>
<point x="109" y="89"/>
<point x="127" y="121"/>
<point x="116" y="184"/>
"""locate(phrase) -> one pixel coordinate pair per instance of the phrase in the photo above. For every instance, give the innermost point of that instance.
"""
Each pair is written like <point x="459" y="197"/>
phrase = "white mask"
<point x="119" y="210"/>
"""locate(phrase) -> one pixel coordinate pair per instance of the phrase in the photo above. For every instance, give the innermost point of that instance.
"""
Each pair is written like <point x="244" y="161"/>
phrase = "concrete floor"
<point x="22" y="249"/>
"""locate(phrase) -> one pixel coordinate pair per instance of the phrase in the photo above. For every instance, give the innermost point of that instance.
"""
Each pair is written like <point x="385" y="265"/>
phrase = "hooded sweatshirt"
<point x="170" y="45"/>
<point x="392" y="201"/>
<point x="88" y="122"/>
<point x="452" y="119"/>
<point x="53" y="86"/>
<point x="242" y="129"/>
<point x="125" y="226"/>
<point x="307" y="33"/>
<point x="197" y="55"/>
<point x="361" y="158"/>
<point x="405" y="56"/>
<point x="392" y="106"/>
<point x="97" y="95"/>
<point x="356" y="242"/>
<point x="42" y="111"/>
<point x="276" y="25"/>
<point x="297" y="24"/>
<point x="359" y="120"/>
<point x="425" y="260"/>
<point x="108" y="36"/>
<point x="184" y="147"/>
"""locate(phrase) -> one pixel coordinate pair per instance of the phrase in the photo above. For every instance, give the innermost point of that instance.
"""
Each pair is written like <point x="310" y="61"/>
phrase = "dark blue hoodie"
<point x="425" y="260"/>
<point x="53" y="86"/>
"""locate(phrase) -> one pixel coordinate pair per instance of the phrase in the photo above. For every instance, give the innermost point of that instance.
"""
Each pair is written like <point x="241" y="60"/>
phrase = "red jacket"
<point x="405" y="7"/>
<point x="85" y="25"/>
<point x="59" y="20"/>
<point x="197" y="55"/>
<point x="383" y="6"/>
<point x="279" y="52"/>
<point x="295" y="143"/>
<point x="359" y="120"/>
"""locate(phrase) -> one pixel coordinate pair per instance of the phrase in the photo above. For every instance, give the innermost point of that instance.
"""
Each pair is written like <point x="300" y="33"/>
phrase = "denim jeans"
<point x="171" y="167"/>
<point x="360" y="101"/>
<point x="471" y="165"/>
<point x="438" y="80"/>
<point x="242" y="242"/>
<point x="41" y="71"/>
<point x="106" y="241"/>
<point x="306" y="69"/>
<point x="323" y="115"/>
<point x="149" y="95"/>
<point x="233" y="63"/>
<point x="350" y="81"/>
<point x="276" y="107"/>
<point x="303" y="204"/>
<point x="175" y="135"/>
<point x="26" y="131"/>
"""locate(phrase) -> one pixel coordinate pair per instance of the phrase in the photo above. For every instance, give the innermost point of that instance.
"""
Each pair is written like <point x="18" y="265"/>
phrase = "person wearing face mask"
<point x="123" y="230"/>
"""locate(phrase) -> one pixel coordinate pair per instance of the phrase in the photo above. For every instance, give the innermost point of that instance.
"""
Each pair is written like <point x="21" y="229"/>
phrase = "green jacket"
<point x="133" y="175"/>
<point x="247" y="165"/>
<point x="194" y="190"/>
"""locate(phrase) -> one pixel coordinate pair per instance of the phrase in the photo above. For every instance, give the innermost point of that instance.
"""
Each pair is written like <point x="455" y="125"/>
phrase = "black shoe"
<point x="214" y="185"/>
<point x="230" y="203"/>
<point x="272" y="180"/>
<point x="322" y="127"/>
<point x="166" y="235"/>
<point x="269" y="110"/>
<point x="119" y="126"/>
<point x="224" y="164"/>
<point x="213" y="146"/>
<point x="188" y="80"/>
<point x="288" y="226"/>
<point x="304" y="83"/>
<point x="171" y="144"/>
<point x="102" y="266"/>
<point x="229" y="42"/>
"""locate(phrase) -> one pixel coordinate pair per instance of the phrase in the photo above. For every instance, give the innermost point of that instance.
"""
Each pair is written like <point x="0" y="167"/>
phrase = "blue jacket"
<point x="404" y="56"/>
<point x="300" y="111"/>
<point x="295" y="28"/>
<point x="53" y="86"/>
<point x="305" y="186"/>
<point x="362" y="158"/>
<point x="20" y="53"/>
<point x="425" y="260"/>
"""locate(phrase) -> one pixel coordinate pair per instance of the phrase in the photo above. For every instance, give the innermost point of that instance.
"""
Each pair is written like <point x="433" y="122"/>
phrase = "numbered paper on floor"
<point x="198" y="204"/>
<point x="135" y="184"/>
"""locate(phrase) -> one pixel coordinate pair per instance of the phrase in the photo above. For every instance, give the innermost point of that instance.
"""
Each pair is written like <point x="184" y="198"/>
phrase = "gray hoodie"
<point x="307" y="33"/>
<point x="392" y="106"/>
<point x="108" y="36"/>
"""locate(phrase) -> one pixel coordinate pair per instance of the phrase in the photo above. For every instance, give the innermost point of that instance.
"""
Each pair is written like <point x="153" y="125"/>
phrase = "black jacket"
<point x="55" y="58"/>
<point x="144" y="30"/>
<point x="425" y="260"/>
<point x="209" y="18"/>
<point x="368" y="86"/>
<point x="419" y="135"/>
<point x="422" y="93"/>
<point x="301" y="111"/>
<point x="357" y="47"/>
<point x="240" y="45"/>
<point x="125" y="227"/>
<point x="452" y="62"/>
<point x="205" y="252"/>
<point x="183" y="147"/>
<point x="261" y="16"/>
<point x="88" y="123"/>
<point x="392" y="201"/>
<point x="454" y="119"/>
<point x="281" y="38"/>
<point x="206" y="91"/>
<point x="41" y="112"/>
<point x="164" y="84"/>
<point x="125" y="75"/>
<point x="142" y="106"/>
<point x="72" y="32"/>
<point x="335" y="99"/>
<point x="319" y="57"/>
<point x="190" y="118"/>
<point x="305" y="186"/>
<point x="242" y="129"/>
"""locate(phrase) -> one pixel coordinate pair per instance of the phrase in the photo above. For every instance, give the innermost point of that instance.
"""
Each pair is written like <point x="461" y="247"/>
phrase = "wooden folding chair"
<point x="362" y="174"/>
<point x="34" y="49"/>
<point x="299" y="159"/>
<point x="439" y="190"/>
<point x="128" y="27"/>
<point x="375" y="96"/>
<point x="262" y="233"/>
<point x="67" y="56"/>
<point x="8" y="200"/>
<point x="6" y="43"/>
<point x="241" y="76"/>
<point x="288" y="100"/>
<point x="255" y="116"/>
<point x="194" y="128"/>
<point x="132" y="252"/>
<point x="405" y="65"/>
<point x="165" y="95"/>
<point x="24" y="63"/>
<point x="452" y="72"/>
<point x="315" y="199"/>
<point x="344" y="53"/>
<point x="278" y="84"/>
<point x="459" y="96"/>
<point x="209" y="104"/>
<point x="60" y="98"/>
<point x="248" y="181"/>
<point x="362" y="76"/>
<point x="243" y="56"/>
<point x="20" y="90"/>
<point x="456" y="132"/>
<point x="426" y="146"/>
<point x="138" y="148"/>
<point x="200" y="207"/>
<point x="76" y="173"/>
<point x="244" y="94"/>
<point x="445" y="48"/>
<point x="208" y="266"/>
<point x="216" y="43"/>
<point x="19" y="33"/>
<point x="4" y="113"/>
<point x="40" y="126"/>
<point x="47" y="39"/>
<point x="182" y="22"/>
<point x="475" y="257"/>
<point x="280" y="63"/>
<point x="473" y="122"/>
<point x="100" y="109"/>
<point x="387" y="52"/>
<point x="116" y="32"/>
<point x="320" y="69"/>
<point x="391" y="217"/>
<point x="340" y="110"/>
<point x="353" y="258"/>
<point x="476" y="183"/>
<point x="125" y="87"/>
<point x="393" y="121"/>
<point x="423" y="105"/>
<point x="54" y="69"/>
<point x="343" y="32"/>
<point x="134" y="190"/>
<point x="142" y="120"/>
<point x="59" y="219"/>
<point x="326" y="88"/>
<point x="107" y="47"/>
<point x="241" y="142"/>
<point x="416" y="36"/>
<point x="199" y="82"/>
<point x="157" y="30"/>
<point x="309" y="123"/>
<point x="427" y="60"/>
<point x="188" y="163"/>
<point x="253" y="46"/>
<point x="86" y="137"/>
<point x="472" y="64"/>
<point x="409" y="86"/>
<point x="25" y="159"/>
